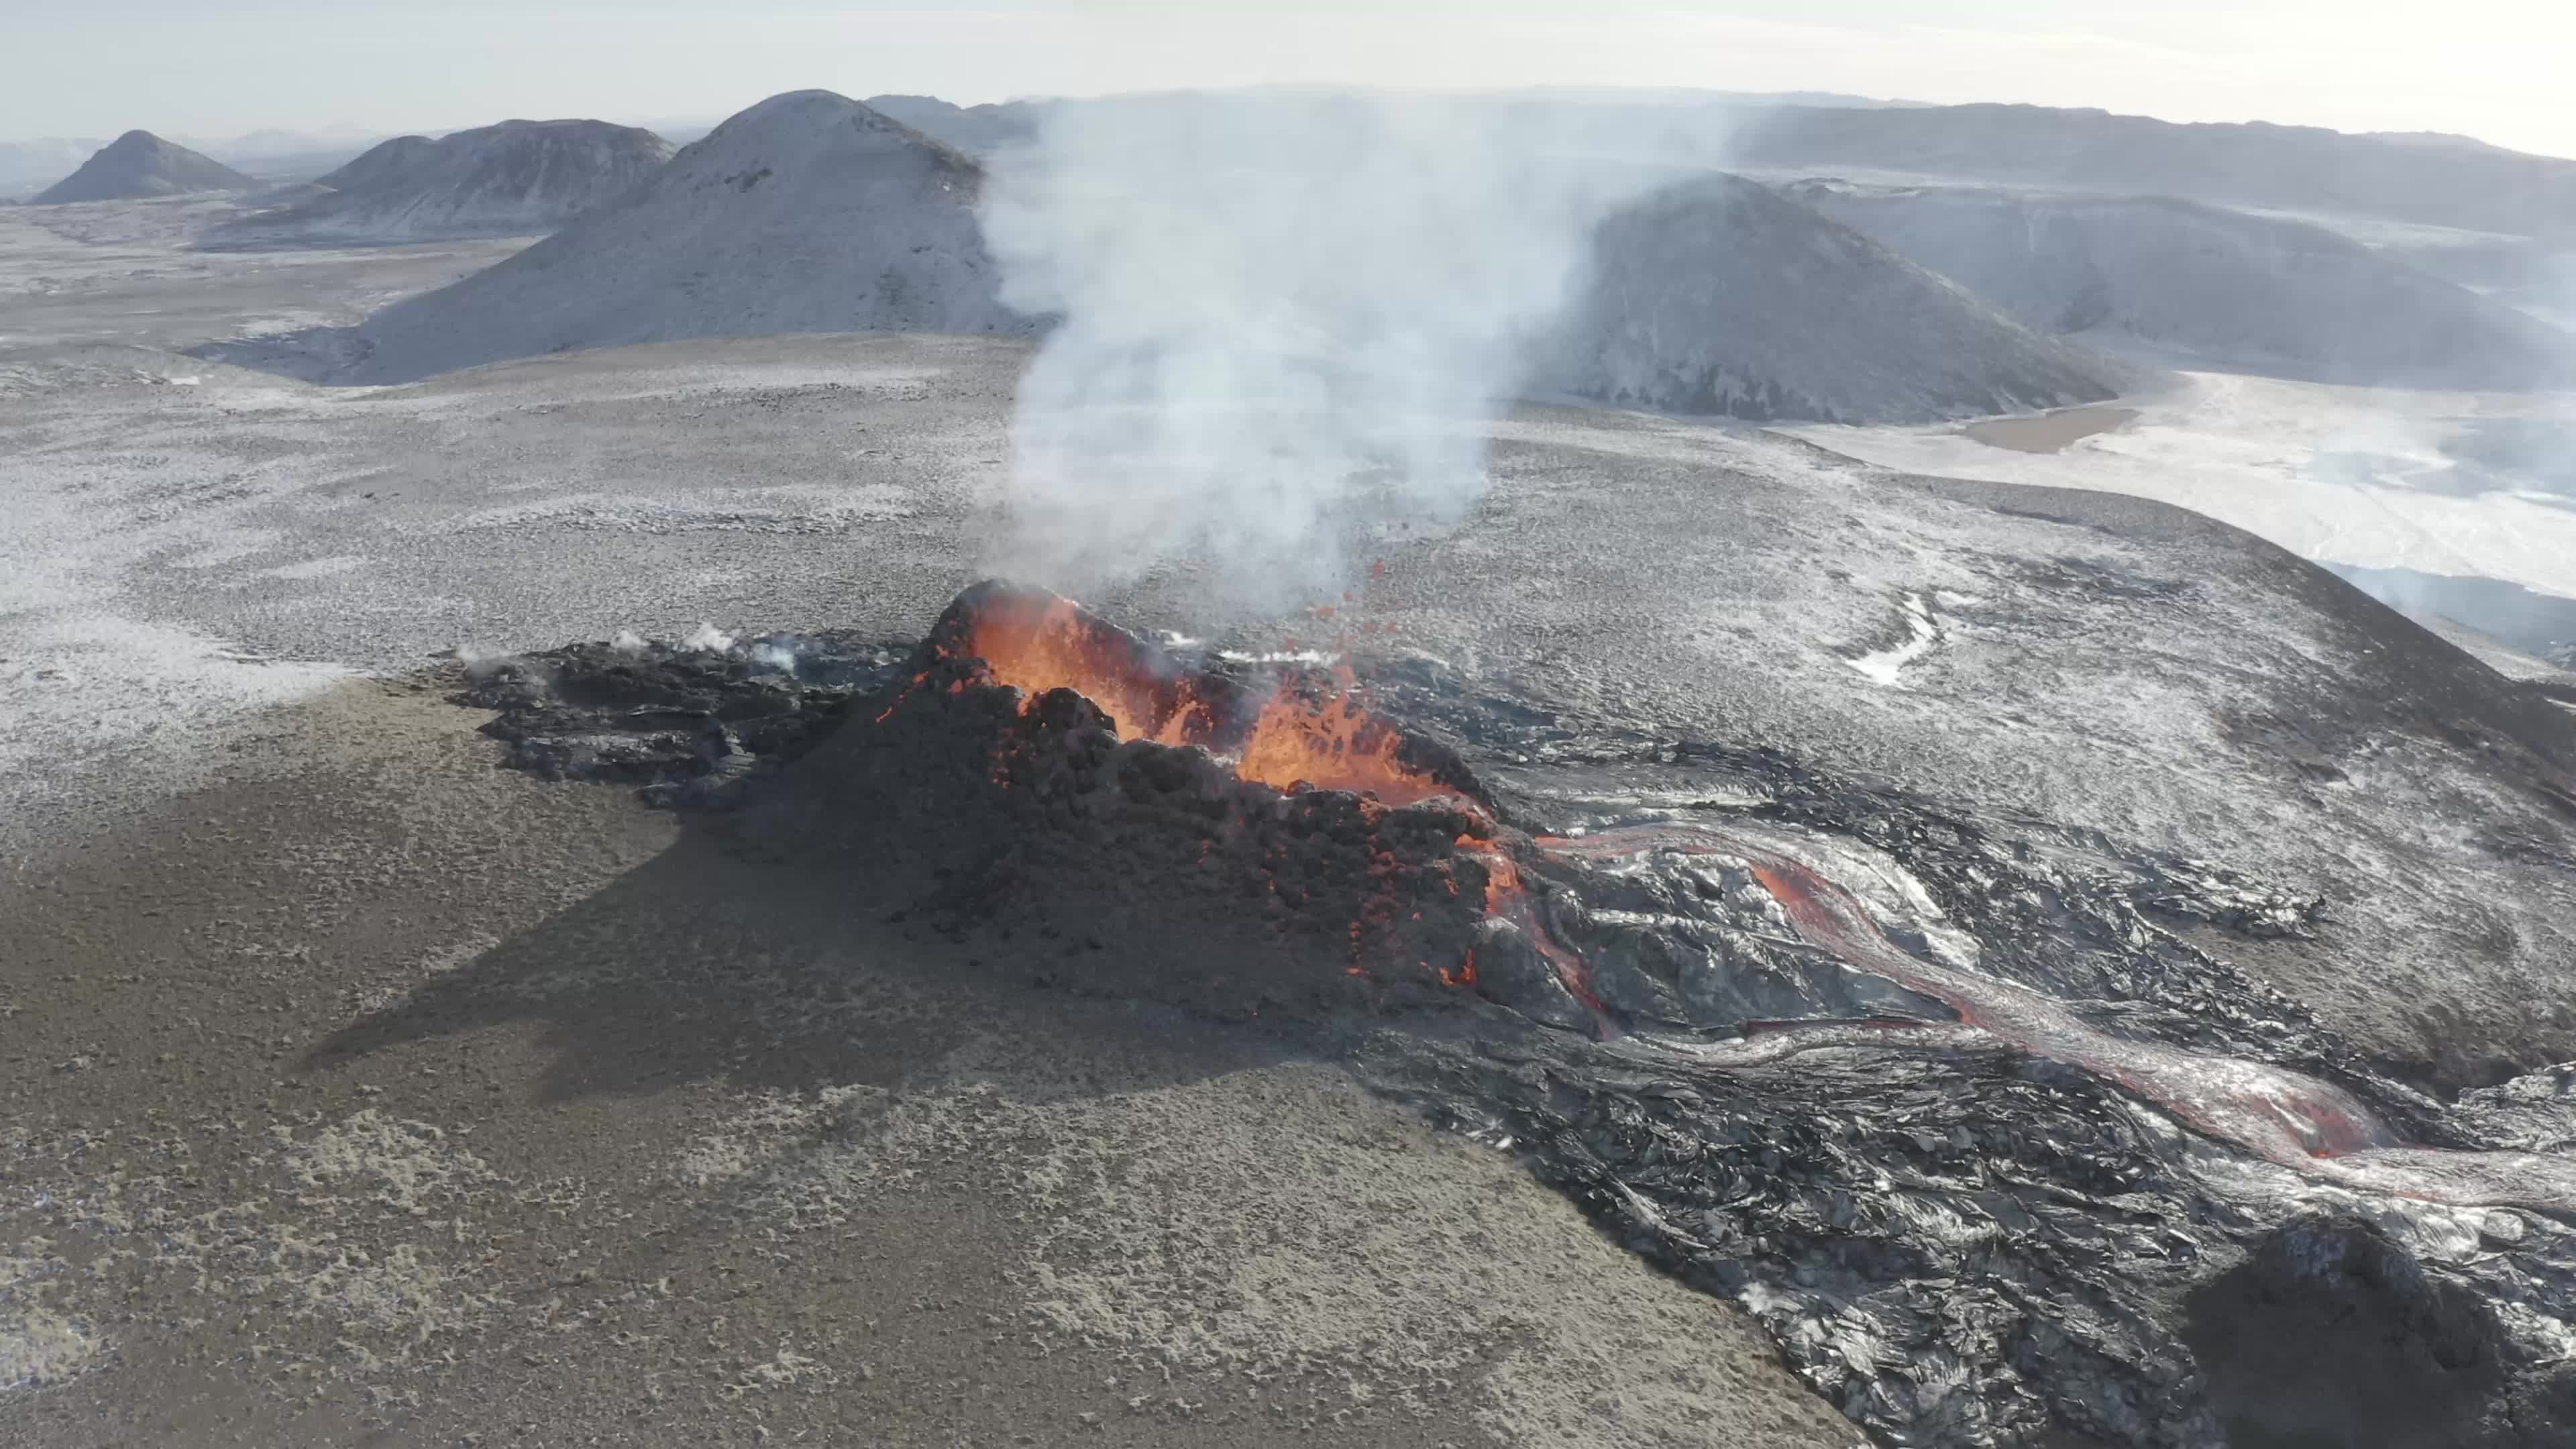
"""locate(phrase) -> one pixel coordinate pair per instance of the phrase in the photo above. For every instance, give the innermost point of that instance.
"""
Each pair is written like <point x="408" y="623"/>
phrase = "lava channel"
<point x="2285" y="1117"/>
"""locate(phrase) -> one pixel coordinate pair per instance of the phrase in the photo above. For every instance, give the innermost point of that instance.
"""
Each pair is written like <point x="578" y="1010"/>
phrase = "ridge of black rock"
<point x="687" y="724"/>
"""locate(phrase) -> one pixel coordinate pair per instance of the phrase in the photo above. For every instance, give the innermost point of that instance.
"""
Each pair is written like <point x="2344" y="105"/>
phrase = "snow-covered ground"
<point x="2373" y="478"/>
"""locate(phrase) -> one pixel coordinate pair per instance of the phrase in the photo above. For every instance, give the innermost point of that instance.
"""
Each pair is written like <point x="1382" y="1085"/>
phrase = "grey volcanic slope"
<point x="2110" y="662"/>
<point x="378" y="163"/>
<point x="513" y="179"/>
<point x="2215" y="286"/>
<point x="2299" y="168"/>
<point x="139" y="163"/>
<point x="806" y="213"/>
<point x="1720" y="297"/>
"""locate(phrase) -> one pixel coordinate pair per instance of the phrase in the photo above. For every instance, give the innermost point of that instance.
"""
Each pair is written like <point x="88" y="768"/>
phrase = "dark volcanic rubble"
<point x="682" y="722"/>
<point x="1974" y="1117"/>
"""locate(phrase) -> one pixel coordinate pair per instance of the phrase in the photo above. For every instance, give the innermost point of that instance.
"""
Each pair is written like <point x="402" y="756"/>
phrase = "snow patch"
<point x="2356" y="476"/>
<point x="1280" y="656"/>
<point x="39" y="1344"/>
<point x="1884" y="666"/>
<point x="91" y="685"/>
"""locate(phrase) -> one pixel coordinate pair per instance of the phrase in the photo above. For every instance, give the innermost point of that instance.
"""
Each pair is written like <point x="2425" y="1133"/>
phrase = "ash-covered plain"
<point x="2201" y="797"/>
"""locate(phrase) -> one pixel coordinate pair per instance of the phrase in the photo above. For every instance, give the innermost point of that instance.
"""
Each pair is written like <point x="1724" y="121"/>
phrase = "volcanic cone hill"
<point x="2204" y="284"/>
<point x="806" y="213"/>
<point x="514" y="179"/>
<point x="1721" y="297"/>
<point x="139" y="163"/>
<point x="392" y="157"/>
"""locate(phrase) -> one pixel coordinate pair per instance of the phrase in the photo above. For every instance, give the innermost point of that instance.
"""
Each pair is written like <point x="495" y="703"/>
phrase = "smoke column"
<point x="1270" y="309"/>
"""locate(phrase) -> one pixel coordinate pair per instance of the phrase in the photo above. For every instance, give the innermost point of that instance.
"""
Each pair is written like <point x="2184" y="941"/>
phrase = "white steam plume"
<point x="1272" y="307"/>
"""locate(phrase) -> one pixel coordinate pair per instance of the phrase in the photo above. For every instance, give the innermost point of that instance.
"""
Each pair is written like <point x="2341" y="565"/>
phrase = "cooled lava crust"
<point x="1996" y="1158"/>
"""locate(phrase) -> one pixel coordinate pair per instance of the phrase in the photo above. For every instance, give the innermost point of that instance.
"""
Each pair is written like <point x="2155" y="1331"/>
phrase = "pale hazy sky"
<point x="2497" y="69"/>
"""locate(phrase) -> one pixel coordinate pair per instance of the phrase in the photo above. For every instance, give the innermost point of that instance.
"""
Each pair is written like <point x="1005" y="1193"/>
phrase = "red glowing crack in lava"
<point x="1306" y="737"/>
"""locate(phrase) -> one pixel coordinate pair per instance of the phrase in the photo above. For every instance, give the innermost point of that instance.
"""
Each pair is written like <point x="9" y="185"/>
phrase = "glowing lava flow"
<point x="1507" y="898"/>
<point x="1313" y="734"/>
<point x="1331" y="744"/>
<point x="1034" y="644"/>
<point x="1298" y="735"/>
<point x="2285" y="1117"/>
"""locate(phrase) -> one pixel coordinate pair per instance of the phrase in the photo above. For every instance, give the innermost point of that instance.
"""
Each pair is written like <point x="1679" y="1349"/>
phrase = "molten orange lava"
<point x="1507" y="898"/>
<point x="1037" y="647"/>
<point x="1331" y="744"/>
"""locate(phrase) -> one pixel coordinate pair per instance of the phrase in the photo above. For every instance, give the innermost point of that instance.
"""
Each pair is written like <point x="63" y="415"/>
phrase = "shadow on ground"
<point x="708" y="962"/>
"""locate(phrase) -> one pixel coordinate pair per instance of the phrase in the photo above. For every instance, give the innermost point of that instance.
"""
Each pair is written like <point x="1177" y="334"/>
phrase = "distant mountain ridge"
<point x="2450" y="182"/>
<point x="808" y="212"/>
<point x="140" y="164"/>
<point x="2423" y="177"/>
<point x="813" y="213"/>
<point x="983" y="128"/>
<point x="977" y="130"/>
<point x="2204" y="285"/>
<point x="1719" y="297"/>
<point x="512" y="179"/>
